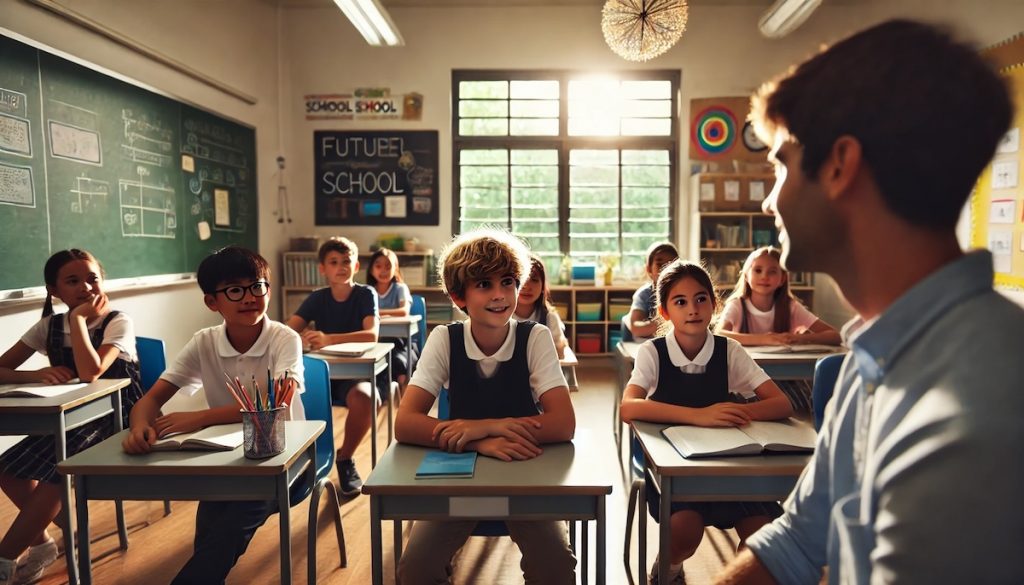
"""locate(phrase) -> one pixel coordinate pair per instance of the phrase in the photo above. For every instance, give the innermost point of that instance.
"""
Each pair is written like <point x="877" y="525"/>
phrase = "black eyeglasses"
<point x="235" y="293"/>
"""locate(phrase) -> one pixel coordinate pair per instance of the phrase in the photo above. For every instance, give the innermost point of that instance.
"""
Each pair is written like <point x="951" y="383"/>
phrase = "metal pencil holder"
<point x="263" y="433"/>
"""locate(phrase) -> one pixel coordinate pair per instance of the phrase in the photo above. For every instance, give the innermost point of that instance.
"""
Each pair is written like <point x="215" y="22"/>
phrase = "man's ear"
<point x="842" y="166"/>
<point x="211" y="302"/>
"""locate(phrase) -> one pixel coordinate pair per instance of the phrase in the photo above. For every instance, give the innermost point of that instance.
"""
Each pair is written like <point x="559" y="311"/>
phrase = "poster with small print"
<point x="707" y="191"/>
<point x="1004" y="174"/>
<point x="757" y="190"/>
<point x="1002" y="211"/>
<point x="732" y="190"/>
<point x="375" y="177"/>
<point x="1010" y="142"/>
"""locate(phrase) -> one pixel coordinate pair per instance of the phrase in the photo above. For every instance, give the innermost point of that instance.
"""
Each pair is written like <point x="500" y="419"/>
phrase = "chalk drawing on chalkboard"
<point x="16" y="135"/>
<point x="146" y="141"/>
<point x="13" y="102"/>
<point x="88" y="193"/>
<point x="145" y="210"/>
<point x="74" y="143"/>
<point x="16" y="186"/>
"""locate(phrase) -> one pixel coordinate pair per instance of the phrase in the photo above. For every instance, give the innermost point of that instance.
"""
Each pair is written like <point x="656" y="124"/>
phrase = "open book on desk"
<point x="441" y="464"/>
<point x="38" y="390"/>
<point x="795" y="348"/>
<point x="212" y="438"/>
<point x="350" y="349"/>
<point x="756" y="437"/>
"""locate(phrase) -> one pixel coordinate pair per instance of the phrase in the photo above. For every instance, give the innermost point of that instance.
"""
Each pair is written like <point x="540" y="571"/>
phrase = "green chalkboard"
<point x="147" y="184"/>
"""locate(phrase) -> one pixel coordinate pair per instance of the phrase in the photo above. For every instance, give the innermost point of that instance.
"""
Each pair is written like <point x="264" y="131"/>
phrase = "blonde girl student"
<point x="690" y="376"/>
<point x="89" y="341"/>
<point x="642" y="321"/>
<point x="762" y="311"/>
<point x="534" y="304"/>
<point x="395" y="300"/>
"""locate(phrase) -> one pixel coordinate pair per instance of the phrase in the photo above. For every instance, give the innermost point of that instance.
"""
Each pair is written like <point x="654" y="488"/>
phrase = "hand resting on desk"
<point x="453" y="435"/>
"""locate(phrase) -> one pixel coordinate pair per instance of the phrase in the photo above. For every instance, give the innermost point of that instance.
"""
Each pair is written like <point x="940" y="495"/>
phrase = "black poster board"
<point x="375" y="177"/>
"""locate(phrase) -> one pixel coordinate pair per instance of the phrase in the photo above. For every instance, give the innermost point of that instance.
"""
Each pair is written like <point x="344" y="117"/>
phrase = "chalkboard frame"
<point x="11" y="296"/>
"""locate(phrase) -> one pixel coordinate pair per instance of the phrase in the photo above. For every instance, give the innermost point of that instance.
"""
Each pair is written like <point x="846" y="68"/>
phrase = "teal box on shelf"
<point x="588" y="311"/>
<point x="614" y="337"/>
<point x="584" y="273"/>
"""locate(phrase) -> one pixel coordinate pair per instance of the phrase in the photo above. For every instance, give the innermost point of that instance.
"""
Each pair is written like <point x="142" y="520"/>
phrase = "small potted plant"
<point x="609" y="262"/>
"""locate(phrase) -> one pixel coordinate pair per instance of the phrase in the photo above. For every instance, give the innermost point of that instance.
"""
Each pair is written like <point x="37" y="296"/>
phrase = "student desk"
<point x="365" y="367"/>
<point x="563" y="483"/>
<point x="707" y="479"/>
<point x="401" y="328"/>
<point x="569" y="362"/>
<point x="106" y="472"/>
<point x="55" y="416"/>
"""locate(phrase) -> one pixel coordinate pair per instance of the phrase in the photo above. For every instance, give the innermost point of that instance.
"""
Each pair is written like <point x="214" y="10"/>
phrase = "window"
<point x="575" y="164"/>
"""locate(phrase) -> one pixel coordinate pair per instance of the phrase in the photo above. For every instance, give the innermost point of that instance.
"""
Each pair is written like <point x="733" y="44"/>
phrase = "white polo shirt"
<point x="744" y="373"/>
<point x="545" y="373"/>
<point x="208" y="356"/>
<point x="119" y="332"/>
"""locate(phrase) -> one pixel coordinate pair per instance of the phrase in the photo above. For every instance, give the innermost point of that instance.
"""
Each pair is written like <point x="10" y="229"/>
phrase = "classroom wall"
<point x="235" y="41"/>
<point x="721" y="53"/>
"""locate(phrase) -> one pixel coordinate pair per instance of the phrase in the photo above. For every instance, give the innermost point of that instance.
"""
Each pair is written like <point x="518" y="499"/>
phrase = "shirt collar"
<point x="878" y="343"/>
<point x="679" y="359"/>
<point x="226" y="350"/>
<point x="504" y="352"/>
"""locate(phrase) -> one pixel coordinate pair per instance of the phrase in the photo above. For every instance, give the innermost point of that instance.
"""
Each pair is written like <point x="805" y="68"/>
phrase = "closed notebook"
<point x="756" y="437"/>
<point x="444" y="464"/>
<point x="37" y="390"/>
<point x="212" y="438"/>
<point x="350" y="349"/>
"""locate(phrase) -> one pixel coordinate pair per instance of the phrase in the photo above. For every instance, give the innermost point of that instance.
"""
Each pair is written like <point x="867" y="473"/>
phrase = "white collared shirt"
<point x="208" y="356"/>
<point x="433" y="368"/>
<point x="744" y="373"/>
<point x="119" y="332"/>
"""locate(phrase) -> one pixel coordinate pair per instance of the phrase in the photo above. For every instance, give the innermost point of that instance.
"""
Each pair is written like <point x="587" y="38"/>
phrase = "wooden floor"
<point x="160" y="545"/>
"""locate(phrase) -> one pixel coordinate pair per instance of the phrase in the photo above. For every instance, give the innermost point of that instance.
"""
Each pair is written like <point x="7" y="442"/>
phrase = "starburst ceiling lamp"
<point x="640" y="30"/>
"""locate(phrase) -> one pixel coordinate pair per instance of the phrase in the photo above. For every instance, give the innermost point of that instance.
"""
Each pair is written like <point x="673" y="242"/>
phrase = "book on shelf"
<point x="350" y="349"/>
<point x="794" y="348"/>
<point x="752" y="439"/>
<point x="38" y="390"/>
<point x="212" y="438"/>
<point x="438" y="464"/>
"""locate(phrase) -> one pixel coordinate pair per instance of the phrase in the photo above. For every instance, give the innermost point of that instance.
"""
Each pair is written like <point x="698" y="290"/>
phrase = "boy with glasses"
<point x="236" y="284"/>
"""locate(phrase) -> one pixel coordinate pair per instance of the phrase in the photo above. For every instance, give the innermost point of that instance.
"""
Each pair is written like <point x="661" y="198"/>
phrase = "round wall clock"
<point x="750" y="139"/>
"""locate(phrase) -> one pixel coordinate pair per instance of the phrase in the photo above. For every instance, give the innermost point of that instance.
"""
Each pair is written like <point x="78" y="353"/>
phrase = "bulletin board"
<point x="997" y="205"/>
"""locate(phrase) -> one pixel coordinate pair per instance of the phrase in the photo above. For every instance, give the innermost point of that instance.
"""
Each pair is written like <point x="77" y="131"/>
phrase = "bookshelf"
<point x="728" y="224"/>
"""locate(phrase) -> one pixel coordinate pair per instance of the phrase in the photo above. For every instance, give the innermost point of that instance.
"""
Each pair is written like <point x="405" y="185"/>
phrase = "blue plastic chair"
<point x="419" y="307"/>
<point x="152" y="363"/>
<point x="316" y="401"/>
<point x="826" y="371"/>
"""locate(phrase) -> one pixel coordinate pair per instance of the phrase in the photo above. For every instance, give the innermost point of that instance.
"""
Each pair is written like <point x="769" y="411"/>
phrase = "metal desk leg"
<point x="82" y="506"/>
<point x="391" y="398"/>
<point x="284" y="510"/>
<point x="602" y="535"/>
<point x="664" y="529"/>
<point x="376" y="552"/>
<point x="373" y="415"/>
<point x="314" y="506"/>
<point x="60" y="440"/>
<point x="122" y="526"/>
<point x="398" y="545"/>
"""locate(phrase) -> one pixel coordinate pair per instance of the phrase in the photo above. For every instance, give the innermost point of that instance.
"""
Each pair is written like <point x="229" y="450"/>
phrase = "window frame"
<point x="563" y="142"/>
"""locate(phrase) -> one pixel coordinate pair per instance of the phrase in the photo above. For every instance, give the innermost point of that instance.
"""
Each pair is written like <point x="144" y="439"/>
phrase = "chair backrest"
<point x="316" y="401"/>
<point x="627" y="335"/>
<point x="419" y="307"/>
<point x="152" y="360"/>
<point x="826" y="371"/>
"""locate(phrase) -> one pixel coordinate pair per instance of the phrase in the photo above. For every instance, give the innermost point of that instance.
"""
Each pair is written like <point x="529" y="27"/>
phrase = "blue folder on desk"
<point x="447" y="465"/>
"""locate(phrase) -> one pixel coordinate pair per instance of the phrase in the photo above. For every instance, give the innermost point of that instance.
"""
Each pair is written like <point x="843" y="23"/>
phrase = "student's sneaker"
<point x="351" y="483"/>
<point x="7" y="569"/>
<point x="33" y="563"/>
<point x="677" y="578"/>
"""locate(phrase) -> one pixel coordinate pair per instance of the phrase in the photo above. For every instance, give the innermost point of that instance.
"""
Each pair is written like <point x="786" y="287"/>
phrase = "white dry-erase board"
<point x="146" y="183"/>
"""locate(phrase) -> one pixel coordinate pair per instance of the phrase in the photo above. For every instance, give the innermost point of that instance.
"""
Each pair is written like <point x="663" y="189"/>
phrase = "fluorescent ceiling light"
<point x="785" y="16"/>
<point x="372" y="21"/>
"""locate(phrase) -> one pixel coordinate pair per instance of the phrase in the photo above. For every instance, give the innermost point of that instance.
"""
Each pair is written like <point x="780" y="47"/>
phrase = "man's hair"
<point x="927" y="110"/>
<point x="482" y="253"/>
<point x="228" y="264"/>
<point x="340" y="245"/>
